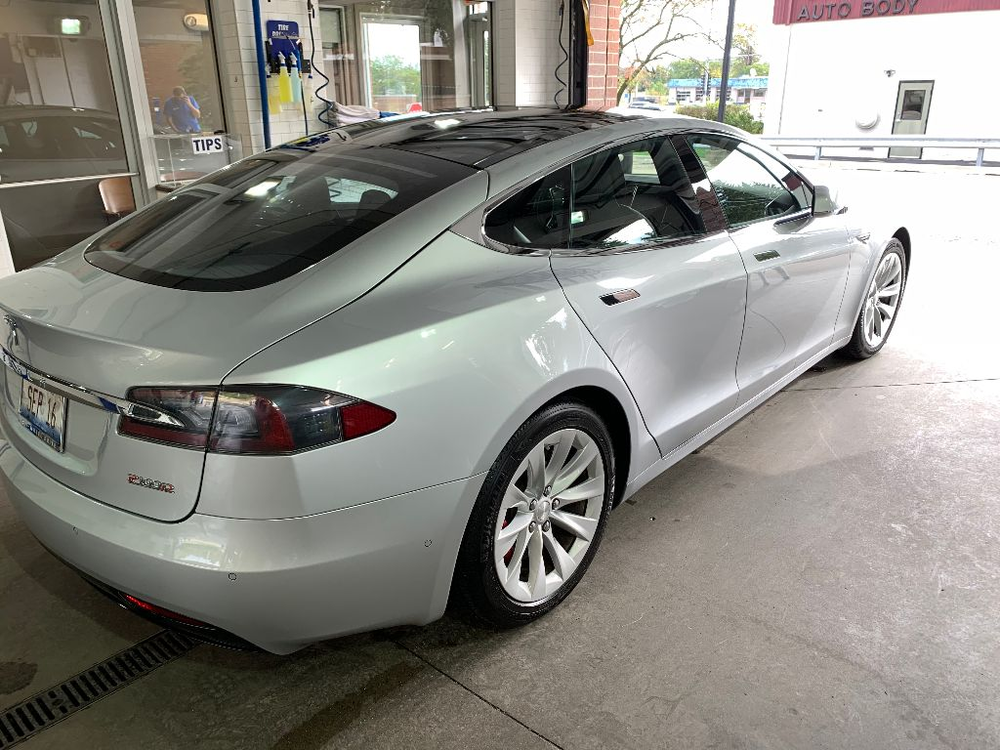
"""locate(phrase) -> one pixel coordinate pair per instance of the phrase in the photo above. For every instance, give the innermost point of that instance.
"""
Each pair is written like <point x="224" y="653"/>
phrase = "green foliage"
<point x="391" y="76"/>
<point x="691" y="68"/>
<point x="688" y="68"/>
<point x="737" y="115"/>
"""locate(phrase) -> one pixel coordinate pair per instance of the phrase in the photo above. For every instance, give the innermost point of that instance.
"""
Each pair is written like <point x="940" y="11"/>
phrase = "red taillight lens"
<point x="265" y="420"/>
<point x="360" y="418"/>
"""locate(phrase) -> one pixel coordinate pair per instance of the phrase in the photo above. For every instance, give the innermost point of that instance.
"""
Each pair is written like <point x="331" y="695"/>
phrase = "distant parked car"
<point x="644" y="102"/>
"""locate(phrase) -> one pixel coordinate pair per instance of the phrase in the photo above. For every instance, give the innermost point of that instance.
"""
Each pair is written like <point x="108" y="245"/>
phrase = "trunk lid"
<point x="71" y="322"/>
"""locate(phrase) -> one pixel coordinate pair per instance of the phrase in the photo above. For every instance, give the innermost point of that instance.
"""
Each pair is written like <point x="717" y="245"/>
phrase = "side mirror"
<point x="824" y="203"/>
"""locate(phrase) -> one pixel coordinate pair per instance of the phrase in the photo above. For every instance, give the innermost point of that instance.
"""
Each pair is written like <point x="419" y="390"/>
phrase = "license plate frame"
<point x="54" y="407"/>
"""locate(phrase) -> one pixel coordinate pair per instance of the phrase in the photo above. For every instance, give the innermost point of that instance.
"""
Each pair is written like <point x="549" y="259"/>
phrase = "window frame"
<point x="777" y="220"/>
<point x="481" y="237"/>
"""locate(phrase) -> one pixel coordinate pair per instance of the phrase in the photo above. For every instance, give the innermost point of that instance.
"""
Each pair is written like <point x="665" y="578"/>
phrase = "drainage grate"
<point x="52" y="705"/>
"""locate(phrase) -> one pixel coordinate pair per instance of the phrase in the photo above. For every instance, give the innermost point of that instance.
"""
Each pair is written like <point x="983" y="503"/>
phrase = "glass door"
<point x="181" y="99"/>
<point x="407" y="55"/>
<point x="64" y="170"/>
<point x="392" y="73"/>
<point x="477" y="29"/>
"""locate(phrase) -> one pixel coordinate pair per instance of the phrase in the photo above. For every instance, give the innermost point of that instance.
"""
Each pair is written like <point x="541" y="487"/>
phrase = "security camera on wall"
<point x="196" y="22"/>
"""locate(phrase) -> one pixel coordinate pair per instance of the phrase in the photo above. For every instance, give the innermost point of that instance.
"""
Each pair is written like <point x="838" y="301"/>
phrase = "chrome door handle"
<point x="863" y="236"/>
<point x="622" y="295"/>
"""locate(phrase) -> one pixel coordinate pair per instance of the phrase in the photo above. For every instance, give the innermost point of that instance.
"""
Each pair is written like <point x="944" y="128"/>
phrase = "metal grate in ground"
<point x="52" y="705"/>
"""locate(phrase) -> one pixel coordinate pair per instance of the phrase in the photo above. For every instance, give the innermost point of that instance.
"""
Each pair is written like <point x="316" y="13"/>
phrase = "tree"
<point x="745" y="55"/>
<point x="686" y="68"/>
<point x="390" y="75"/>
<point x="745" y="43"/>
<point x="648" y="28"/>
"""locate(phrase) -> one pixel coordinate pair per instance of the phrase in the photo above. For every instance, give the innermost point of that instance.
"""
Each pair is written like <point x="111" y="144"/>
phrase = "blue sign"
<point x="744" y="82"/>
<point x="284" y="37"/>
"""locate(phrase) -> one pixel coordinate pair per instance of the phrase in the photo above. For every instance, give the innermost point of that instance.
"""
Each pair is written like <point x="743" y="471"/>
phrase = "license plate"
<point x="44" y="414"/>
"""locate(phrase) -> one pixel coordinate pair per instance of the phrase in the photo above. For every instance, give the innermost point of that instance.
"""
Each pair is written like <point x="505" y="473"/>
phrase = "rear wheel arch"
<point x="903" y="235"/>
<point x="612" y="413"/>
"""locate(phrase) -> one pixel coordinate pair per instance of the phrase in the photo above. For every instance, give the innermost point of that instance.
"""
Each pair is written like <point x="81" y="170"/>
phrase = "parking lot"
<point x="825" y="574"/>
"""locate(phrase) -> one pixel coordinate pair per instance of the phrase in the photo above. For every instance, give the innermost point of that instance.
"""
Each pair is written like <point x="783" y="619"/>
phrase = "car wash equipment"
<point x="284" y="81"/>
<point x="296" y="76"/>
<point x="273" y="95"/>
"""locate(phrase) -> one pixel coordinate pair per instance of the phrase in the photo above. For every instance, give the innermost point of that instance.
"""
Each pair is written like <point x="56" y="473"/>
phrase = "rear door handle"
<point x="863" y="236"/>
<point x="616" y="298"/>
<point x="767" y="255"/>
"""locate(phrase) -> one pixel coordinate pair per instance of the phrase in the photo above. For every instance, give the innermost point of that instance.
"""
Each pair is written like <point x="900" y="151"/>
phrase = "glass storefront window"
<point x="63" y="167"/>
<point x="406" y="55"/>
<point x="180" y="69"/>
<point x="179" y="65"/>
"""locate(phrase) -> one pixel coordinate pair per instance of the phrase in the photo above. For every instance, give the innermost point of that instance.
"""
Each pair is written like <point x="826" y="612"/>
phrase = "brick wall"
<point x="602" y="65"/>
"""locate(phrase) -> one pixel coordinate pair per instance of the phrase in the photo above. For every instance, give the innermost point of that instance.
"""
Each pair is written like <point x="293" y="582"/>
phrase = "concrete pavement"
<point x="826" y="574"/>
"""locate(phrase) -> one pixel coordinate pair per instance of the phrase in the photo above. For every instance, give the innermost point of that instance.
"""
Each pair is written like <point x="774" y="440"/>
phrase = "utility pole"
<point x="724" y="83"/>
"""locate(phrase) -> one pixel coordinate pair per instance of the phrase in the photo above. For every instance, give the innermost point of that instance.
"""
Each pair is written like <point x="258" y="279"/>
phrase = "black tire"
<point x="476" y="580"/>
<point x="858" y="347"/>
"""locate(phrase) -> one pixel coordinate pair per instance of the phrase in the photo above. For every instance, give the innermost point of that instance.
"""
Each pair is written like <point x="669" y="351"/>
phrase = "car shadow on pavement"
<point x="20" y="549"/>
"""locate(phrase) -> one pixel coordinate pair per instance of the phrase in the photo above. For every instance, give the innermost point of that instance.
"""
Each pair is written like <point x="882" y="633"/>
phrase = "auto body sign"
<point x="827" y="11"/>
<point x="800" y="11"/>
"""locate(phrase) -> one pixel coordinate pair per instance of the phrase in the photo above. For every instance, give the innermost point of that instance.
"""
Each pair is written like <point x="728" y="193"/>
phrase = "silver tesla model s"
<point x="318" y="391"/>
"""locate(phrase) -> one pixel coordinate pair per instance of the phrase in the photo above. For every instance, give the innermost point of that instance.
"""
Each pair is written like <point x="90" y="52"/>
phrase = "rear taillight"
<point x="178" y="415"/>
<point x="257" y="419"/>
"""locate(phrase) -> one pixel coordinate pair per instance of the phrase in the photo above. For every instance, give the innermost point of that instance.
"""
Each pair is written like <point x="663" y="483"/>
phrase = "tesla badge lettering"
<point x="152" y="484"/>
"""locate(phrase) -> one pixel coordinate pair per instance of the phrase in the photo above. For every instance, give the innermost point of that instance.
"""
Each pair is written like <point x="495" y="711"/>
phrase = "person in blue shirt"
<point x="182" y="112"/>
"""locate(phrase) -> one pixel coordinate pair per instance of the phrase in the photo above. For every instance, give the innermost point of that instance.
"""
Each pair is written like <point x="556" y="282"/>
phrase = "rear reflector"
<point x="362" y="418"/>
<point x="161" y="612"/>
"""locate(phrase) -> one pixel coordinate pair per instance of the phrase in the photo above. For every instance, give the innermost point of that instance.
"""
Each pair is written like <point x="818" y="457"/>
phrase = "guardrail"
<point x="979" y="144"/>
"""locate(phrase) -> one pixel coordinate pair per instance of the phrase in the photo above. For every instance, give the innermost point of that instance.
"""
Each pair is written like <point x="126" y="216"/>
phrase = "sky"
<point x="401" y="40"/>
<point x="714" y="15"/>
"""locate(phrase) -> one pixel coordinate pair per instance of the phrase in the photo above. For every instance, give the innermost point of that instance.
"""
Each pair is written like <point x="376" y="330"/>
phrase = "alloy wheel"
<point x="882" y="300"/>
<point x="550" y="513"/>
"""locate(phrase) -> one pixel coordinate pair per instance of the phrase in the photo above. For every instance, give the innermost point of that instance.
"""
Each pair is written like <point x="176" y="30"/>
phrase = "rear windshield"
<point x="268" y="217"/>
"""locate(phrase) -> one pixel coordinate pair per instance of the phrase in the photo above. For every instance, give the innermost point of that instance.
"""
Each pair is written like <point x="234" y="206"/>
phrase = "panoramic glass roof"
<point x="475" y="139"/>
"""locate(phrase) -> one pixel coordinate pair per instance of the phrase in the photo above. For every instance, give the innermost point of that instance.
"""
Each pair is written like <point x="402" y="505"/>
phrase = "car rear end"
<point x="115" y="356"/>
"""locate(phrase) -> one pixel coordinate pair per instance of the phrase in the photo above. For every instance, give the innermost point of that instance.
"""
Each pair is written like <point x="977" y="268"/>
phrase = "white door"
<point x="913" y="105"/>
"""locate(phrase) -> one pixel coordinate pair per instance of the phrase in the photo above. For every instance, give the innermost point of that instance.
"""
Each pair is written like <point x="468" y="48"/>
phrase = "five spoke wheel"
<point x="549" y="515"/>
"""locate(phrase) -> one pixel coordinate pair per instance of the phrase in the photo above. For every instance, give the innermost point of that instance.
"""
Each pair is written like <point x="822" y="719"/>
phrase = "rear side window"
<point x="750" y="184"/>
<point x="619" y="198"/>
<point x="536" y="217"/>
<point x="268" y="217"/>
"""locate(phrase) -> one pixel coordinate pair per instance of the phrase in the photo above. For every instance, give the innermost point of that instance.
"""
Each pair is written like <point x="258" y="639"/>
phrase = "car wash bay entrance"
<point x="99" y="99"/>
<point x="107" y="104"/>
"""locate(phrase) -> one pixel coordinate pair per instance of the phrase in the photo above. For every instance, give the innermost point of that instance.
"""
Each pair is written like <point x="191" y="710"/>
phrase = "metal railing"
<point x="980" y="145"/>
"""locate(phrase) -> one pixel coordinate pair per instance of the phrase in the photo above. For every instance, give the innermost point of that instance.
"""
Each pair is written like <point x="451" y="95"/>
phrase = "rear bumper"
<point x="278" y="584"/>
